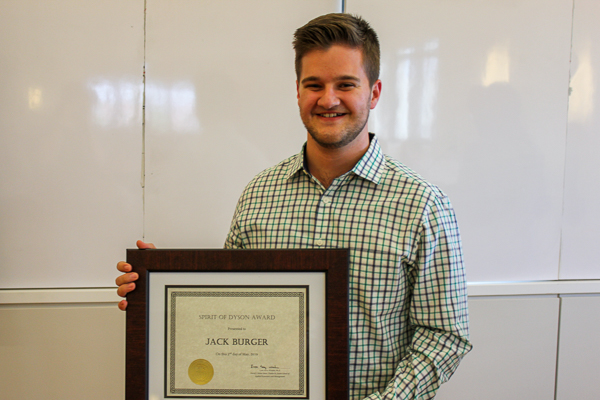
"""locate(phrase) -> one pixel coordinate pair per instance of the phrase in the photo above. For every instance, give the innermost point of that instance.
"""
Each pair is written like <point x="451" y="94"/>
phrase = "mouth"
<point x="331" y="115"/>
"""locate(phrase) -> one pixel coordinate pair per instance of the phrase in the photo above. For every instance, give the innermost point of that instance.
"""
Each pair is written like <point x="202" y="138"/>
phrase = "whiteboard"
<point x="476" y="101"/>
<point x="221" y="107"/>
<point x="581" y="230"/>
<point x="70" y="140"/>
<point x="475" y="98"/>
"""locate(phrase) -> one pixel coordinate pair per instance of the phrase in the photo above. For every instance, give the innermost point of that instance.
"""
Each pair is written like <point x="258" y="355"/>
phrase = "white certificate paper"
<point x="230" y="371"/>
<point x="228" y="341"/>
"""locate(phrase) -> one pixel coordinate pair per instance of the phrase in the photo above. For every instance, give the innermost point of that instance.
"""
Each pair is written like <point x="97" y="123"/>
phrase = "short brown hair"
<point x="342" y="29"/>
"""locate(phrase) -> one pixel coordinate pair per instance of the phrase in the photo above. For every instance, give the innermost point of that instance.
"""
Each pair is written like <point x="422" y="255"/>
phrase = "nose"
<point x="328" y="99"/>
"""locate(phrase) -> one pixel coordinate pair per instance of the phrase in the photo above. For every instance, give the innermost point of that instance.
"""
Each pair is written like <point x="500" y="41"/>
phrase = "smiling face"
<point x="334" y="96"/>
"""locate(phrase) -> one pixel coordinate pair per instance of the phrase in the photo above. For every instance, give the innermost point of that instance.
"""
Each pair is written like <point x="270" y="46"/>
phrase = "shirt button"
<point x="326" y="200"/>
<point x="320" y="242"/>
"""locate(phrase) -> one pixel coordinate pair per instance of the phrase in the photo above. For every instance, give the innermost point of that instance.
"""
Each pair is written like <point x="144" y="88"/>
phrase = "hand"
<point x="126" y="282"/>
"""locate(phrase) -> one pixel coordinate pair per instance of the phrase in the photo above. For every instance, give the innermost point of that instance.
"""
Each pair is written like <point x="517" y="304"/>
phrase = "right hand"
<point x="126" y="282"/>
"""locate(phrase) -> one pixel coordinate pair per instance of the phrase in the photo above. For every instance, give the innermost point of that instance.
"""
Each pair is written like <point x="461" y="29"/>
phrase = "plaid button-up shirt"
<point x="408" y="299"/>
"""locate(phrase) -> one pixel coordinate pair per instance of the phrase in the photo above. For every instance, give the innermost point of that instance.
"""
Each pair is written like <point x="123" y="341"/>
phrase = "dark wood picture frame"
<point x="333" y="262"/>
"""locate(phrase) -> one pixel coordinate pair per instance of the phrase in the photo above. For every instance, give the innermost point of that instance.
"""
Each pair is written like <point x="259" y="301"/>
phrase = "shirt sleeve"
<point x="233" y="240"/>
<point x="438" y="313"/>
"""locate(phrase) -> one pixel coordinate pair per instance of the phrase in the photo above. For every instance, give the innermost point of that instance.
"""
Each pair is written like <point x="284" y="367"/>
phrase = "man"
<point x="408" y="306"/>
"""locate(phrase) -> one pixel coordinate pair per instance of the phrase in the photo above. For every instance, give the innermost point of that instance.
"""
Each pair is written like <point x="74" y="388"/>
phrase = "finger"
<point x="123" y="305"/>
<point x="144" y="245"/>
<point x="122" y="290"/>
<point x="126" y="278"/>
<point x="123" y="266"/>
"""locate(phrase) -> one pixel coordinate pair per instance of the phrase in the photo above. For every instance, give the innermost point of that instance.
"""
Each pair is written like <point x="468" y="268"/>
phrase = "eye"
<point x="347" y="85"/>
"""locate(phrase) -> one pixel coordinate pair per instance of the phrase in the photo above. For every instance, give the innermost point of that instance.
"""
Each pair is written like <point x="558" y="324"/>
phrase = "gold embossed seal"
<point x="201" y="372"/>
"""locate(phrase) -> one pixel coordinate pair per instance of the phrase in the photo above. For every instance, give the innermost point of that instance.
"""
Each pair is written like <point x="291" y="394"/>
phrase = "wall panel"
<point x="579" y="352"/>
<point x="514" y="350"/>
<point x="70" y="140"/>
<point x="475" y="99"/>
<point x="581" y="230"/>
<point x="62" y="352"/>
<point x="220" y="108"/>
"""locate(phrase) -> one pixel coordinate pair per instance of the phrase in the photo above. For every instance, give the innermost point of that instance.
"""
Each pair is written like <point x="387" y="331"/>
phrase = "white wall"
<point x="475" y="98"/>
<point x="128" y="119"/>
<point x="476" y="101"/>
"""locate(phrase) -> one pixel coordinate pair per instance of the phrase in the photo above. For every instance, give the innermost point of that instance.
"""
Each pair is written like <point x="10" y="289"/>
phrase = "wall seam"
<point x="557" y="348"/>
<point x="143" y="177"/>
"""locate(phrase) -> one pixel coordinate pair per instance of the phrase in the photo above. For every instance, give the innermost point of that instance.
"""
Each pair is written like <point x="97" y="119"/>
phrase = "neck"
<point x="326" y="164"/>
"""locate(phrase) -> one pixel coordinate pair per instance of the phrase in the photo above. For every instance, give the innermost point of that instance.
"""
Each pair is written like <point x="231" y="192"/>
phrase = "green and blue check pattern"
<point x="408" y="300"/>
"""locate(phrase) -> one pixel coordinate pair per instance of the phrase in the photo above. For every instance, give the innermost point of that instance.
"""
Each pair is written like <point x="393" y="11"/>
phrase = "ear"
<point x="297" y="90"/>
<point x="375" y="93"/>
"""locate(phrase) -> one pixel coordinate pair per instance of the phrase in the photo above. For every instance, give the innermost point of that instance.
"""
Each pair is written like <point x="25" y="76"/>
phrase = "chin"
<point x="333" y="141"/>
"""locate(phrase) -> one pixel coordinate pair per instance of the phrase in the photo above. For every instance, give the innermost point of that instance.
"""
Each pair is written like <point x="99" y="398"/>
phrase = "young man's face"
<point x="334" y="95"/>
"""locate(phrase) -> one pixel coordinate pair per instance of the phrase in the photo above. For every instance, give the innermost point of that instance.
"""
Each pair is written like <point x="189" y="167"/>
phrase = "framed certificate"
<point x="243" y="324"/>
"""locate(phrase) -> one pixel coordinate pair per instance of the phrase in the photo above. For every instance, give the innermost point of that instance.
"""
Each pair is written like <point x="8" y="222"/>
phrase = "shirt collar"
<point x="297" y="163"/>
<point x="369" y="167"/>
<point x="372" y="163"/>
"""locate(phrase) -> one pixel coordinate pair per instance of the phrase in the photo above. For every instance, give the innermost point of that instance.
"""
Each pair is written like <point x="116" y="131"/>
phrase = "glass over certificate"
<point x="238" y="324"/>
<point x="224" y="341"/>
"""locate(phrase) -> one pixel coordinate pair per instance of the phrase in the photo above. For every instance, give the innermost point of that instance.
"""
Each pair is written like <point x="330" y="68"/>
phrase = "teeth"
<point x="331" y="115"/>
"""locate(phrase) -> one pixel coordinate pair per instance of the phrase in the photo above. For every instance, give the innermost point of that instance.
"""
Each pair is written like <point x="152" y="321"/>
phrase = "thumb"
<point x="144" y="245"/>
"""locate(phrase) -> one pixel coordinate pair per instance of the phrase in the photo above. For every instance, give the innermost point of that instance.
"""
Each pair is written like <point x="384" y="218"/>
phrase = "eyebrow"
<point x="339" y="78"/>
